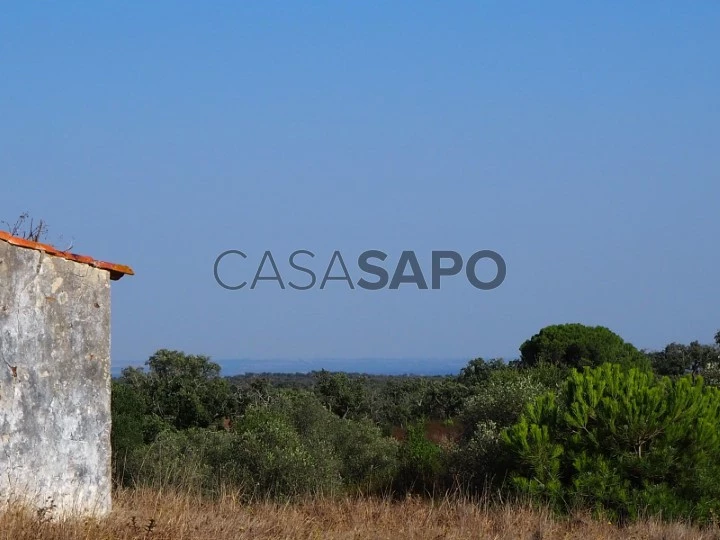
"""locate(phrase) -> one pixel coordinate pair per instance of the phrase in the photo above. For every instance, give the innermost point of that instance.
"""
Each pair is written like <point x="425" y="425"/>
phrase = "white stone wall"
<point x="54" y="383"/>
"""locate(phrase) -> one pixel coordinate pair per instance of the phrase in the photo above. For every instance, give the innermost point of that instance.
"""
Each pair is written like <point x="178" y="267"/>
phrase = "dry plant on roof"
<point x="28" y="228"/>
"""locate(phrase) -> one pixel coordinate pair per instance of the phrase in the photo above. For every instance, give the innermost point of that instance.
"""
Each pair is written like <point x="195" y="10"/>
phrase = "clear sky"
<point x="581" y="142"/>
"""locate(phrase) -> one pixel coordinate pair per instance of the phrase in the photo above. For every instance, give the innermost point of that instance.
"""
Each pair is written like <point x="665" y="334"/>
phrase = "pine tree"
<point x="622" y="442"/>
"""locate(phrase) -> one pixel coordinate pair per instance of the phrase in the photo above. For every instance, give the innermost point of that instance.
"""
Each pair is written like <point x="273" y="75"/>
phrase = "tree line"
<point x="581" y="419"/>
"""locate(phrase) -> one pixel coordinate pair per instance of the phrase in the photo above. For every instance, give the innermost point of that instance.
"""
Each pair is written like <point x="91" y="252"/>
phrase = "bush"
<point x="479" y="458"/>
<point x="363" y="457"/>
<point x="131" y="431"/>
<point x="128" y="421"/>
<point x="551" y="376"/>
<point x="179" y="459"/>
<point x="401" y="402"/>
<point x="500" y="400"/>
<point x="343" y="395"/>
<point x="480" y="461"/>
<point x="368" y="461"/>
<point x="622" y="442"/>
<point x="423" y="463"/>
<point x="270" y="458"/>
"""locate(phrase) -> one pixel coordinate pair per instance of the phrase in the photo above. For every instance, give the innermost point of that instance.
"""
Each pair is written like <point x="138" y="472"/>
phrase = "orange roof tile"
<point x="116" y="270"/>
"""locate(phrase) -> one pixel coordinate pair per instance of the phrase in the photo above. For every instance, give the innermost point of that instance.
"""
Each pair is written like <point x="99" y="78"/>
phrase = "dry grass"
<point x="147" y="514"/>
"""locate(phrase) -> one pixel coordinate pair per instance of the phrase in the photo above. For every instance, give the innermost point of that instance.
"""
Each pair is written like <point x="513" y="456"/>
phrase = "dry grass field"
<point x="153" y="514"/>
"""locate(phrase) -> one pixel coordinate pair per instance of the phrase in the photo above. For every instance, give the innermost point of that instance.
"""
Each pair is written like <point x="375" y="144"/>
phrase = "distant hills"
<point x="371" y="366"/>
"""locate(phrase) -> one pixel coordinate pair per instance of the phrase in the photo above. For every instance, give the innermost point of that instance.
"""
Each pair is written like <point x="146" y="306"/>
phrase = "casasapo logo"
<point x="372" y="270"/>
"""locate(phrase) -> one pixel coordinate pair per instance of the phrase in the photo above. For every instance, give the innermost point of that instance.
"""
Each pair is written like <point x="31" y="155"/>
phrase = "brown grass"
<point x="152" y="514"/>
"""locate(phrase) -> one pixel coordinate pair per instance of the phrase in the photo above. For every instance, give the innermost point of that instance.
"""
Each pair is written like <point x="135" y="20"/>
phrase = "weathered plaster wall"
<point x="54" y="382"/>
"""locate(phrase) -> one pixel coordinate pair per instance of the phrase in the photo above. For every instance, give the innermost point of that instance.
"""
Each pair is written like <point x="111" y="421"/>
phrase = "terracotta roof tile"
<point x="116" y="270"/>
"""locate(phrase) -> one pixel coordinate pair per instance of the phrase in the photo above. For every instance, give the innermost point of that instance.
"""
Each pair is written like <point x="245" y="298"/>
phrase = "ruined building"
<point x="55" y="377"/>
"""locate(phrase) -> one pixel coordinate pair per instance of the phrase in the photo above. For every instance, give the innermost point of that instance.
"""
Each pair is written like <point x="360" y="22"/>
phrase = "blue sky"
<point x="578" y="141"/>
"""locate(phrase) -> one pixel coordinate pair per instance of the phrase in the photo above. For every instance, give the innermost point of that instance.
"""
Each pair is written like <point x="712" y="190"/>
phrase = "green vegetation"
<point x="576" y="346"/>
<point x="582" y="421"/>
<point x="622" y="442"/>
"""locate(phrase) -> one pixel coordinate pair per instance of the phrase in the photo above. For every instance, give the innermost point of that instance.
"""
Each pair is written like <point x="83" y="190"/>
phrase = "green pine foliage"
<point x="576" y="346"/>
<point x="623" y="442"/>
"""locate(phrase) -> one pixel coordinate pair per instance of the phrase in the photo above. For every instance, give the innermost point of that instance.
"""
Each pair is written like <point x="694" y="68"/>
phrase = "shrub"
<point x="270" y="458"/>
<point x="176" y="459"/>
<point x="343" y="395"/>
<point x="368" y="460"/>
<point x="128" y="421"/>
<point x="480" y="461"/>
<point x="423" y="463"/>
<point x="500" y="400"/>
<point x="479" y="458"/>
<point x="362" y="456"/>
<point x="622" y="442"/>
